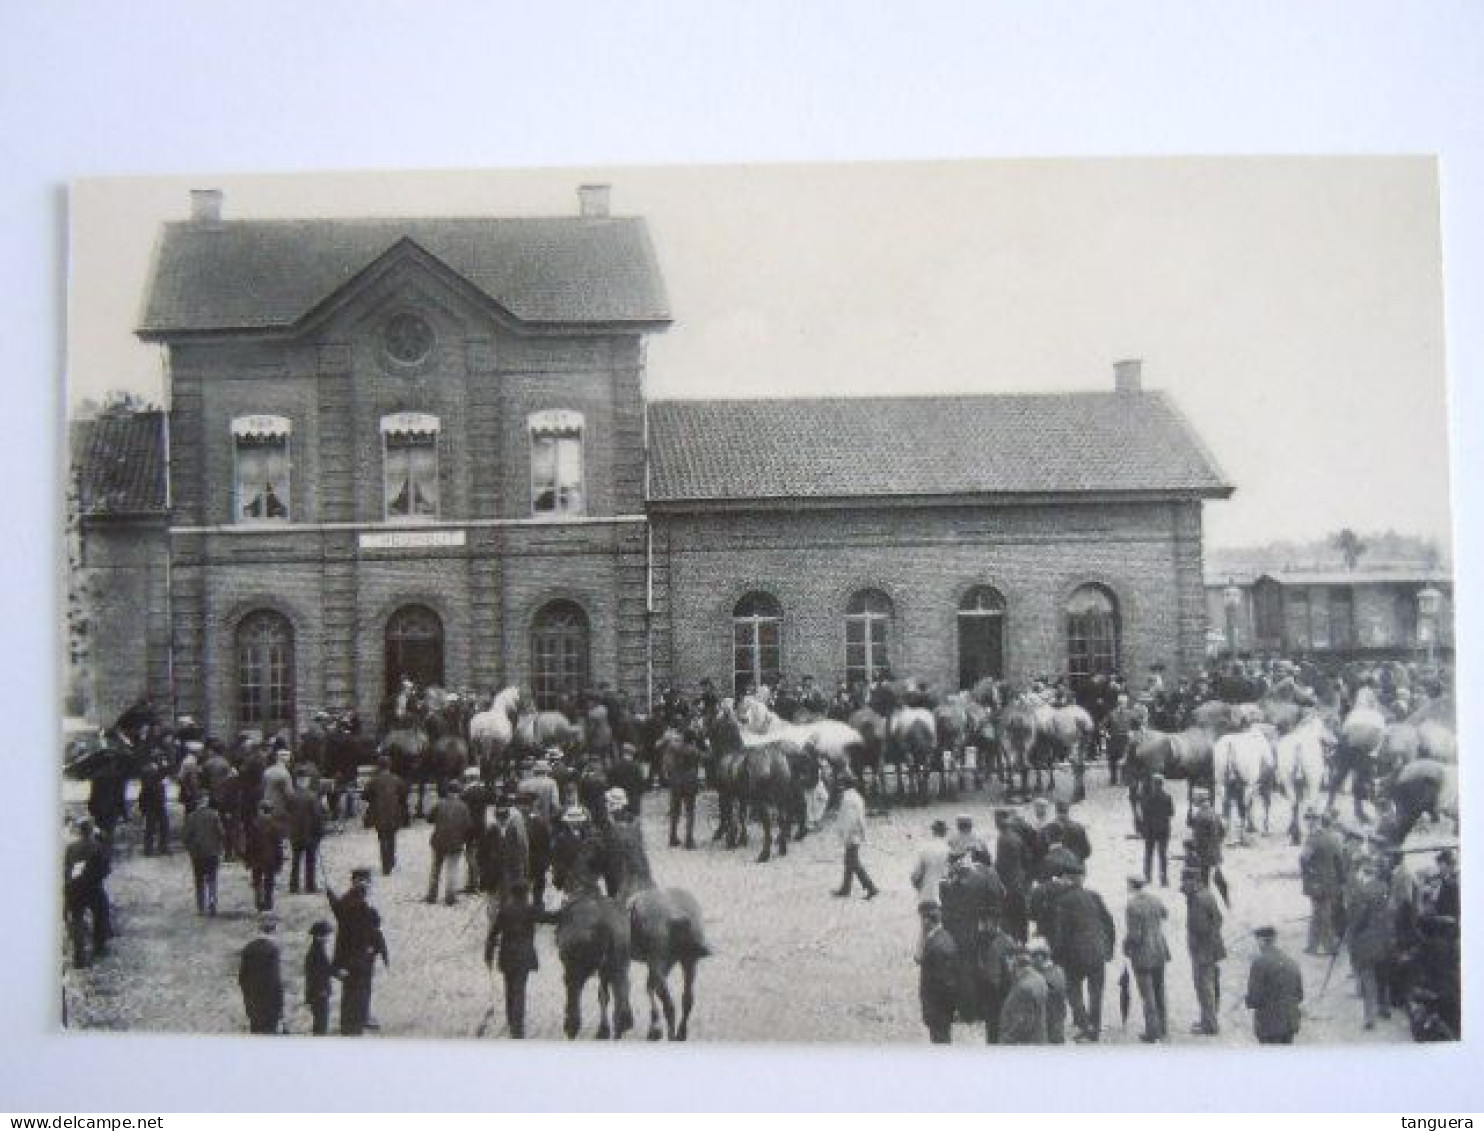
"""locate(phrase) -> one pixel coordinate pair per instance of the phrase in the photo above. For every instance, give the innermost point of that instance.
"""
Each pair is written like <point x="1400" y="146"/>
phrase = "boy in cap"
<point x="317" y="977"/>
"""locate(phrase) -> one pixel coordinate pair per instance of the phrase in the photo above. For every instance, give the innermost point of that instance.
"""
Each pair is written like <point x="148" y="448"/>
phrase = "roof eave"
<point x="692" y="504"/>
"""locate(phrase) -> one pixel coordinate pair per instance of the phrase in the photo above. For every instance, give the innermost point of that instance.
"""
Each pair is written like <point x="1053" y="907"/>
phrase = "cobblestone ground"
<point x="790" y="963"/>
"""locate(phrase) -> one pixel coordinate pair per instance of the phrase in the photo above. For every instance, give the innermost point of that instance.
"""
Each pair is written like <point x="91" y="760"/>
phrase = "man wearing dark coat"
<point x="1322" y="865"/>
<point x="1083" y="942"/>
<point x="306" y="828"/>
<point x="1010" y="862"/>
<point x="682" y="769"/>
<point x="1208" y="831"/>
<point x="85" y="866"/>
<point x="358" y="941"/>
<point x="451" y="827"/>
<point x="1158" y="810"/>
<point x="1369" y="937"/>
<point x="265" y="856"/>
<point x="1203" y="939"/>
<point x="153" y="808"/>
<point x="971" y="897"/>
<point x="1275" y="989"/>
<point x="386" y="811"/>
<point x="1068" y="832"/>
<point x="478" y="796"/>
<point x="1056" y="993"/>
<point x="205" y="840"/>
<point x="260" y="976"/>
<point x="938" y="982"/>
<point x="513" y="931"/>
<point x="628" y="775"/>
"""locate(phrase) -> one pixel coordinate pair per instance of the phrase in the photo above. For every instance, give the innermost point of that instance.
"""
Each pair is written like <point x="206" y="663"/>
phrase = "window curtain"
<point x="263" y="479"/>
<point x="411" y="477"/>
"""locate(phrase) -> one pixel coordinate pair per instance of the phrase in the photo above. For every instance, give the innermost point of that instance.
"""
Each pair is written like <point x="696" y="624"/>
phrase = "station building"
<point x="423" y="447"/>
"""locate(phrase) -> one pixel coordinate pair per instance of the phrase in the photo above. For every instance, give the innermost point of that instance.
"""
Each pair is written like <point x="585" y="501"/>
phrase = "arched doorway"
<point x="981" y="636"/>
<point x="265" y="672"/>
<point x="414" y="647"/>
<point x="559" y="653"/>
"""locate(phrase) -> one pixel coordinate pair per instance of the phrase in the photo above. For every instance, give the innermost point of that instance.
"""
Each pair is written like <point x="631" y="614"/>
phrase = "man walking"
<point x="386" y="810"/>
<point x="1145" y="947"/>
<point x="513" y="931"/>
<point x="932" y="865"/>
<point x="1322" y="865"/>
<point x="1369" y="937"/>
<point x="153" y="809"/>
<point x="852" y="818"/>
<point x="260" y="976"/>
<point x="265" y="855"/>
<point x="1158" y="812"/>
<point x="85" y="866"/>
<point x="358" y="941"/>
<point x="306" y="828"/>
<point x="318" y="978"/>
<point x="205" y="840"/>
<point x="1275" y="989"/>
<point x="938" y="981"/>
<point x="1209" y="832"/>
<point x="451" y="825"/>
<point x="1203" y="938"/>
<point x="1083" y="941"/>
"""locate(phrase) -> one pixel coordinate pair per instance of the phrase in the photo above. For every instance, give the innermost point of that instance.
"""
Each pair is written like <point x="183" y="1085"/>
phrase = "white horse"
<point x="1303" y="755"/>
<point x="1238" y="763"/>
<point x="839" y="744"/>
<point x="492" y="730"/>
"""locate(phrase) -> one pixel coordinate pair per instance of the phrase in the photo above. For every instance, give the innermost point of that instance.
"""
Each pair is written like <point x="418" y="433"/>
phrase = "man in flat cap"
<point x="1322" y="866"/>
<point x="938" y="984"/>
<point x="1203" y="939"/>
<point x="1158" y="810"/>
<point x="260" y="977"/>
<point x="1145" y="947"/>
<point x="1275" y="990"/>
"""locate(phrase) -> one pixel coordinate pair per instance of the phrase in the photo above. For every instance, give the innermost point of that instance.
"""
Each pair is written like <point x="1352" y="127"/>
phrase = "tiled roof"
<point x="267" y="274"/>
<point x="1050" y="443"/>
<point x="120" y="460"/>
<point x="1416" y="576"/>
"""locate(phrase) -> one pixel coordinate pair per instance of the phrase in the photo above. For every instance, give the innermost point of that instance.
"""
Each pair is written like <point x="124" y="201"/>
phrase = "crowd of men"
<point x="258" y="805"/>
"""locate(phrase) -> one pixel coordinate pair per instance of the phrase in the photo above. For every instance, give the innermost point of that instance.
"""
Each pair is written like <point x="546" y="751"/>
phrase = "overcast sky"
<point x="1292" y="307"/>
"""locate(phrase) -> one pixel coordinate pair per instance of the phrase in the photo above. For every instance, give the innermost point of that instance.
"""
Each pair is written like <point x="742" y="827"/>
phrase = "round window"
<point x="408" y="339"/>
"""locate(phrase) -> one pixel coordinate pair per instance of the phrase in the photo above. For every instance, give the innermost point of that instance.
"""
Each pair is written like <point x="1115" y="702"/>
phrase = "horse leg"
<point x="782" y="834"/>
<point x="605" y="1032"/>
<point x="572" y="1025"/>
<point x="660" y="978"/>
<point x="766" y="816"/>
<point x="654" y="1010"/>
<point x="687" y="995"/>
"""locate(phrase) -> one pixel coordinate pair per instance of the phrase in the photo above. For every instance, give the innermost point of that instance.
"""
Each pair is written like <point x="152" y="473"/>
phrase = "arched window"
<point x="867" y="636"/>
<point x="559" y="653"/>
<point x="1092" y="633"/>
<point x="757" y="652"/>
<point x="981" y="636"/>
<point x="414" y="647"/>
<point x="265" y="672"/>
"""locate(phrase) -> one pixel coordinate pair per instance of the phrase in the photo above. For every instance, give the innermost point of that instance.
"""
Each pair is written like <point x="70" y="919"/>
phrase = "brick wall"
<point x="124" y="566"/>
<point x="925" y="560"/>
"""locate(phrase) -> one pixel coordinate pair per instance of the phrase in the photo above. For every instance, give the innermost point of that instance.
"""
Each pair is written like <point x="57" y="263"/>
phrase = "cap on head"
<point x="1266" y="932"/>
<point x="321" y="928"/>
<point x="940" y="828"/>
<point x="929" y="910"/>
<point x="964" y="821"/>
<point x="1063" y="807"/>
<point x="360" y="875"/>
<point x="1135" y="881"/>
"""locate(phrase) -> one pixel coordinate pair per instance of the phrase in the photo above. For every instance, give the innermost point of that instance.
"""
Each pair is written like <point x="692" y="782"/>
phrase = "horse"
<point x="1361" y="736"/>
<point x="1018" y="728"/>
<point x="492" y="730"/>
<point x="1183" y="756"/>
<point x="914" y="742"/>
<point x="665" y="928"/>
<point x="1425" y="786"/>
<point x="540" y="730"/>
<point x="1066" y="731"/>
<point x="406" y="745"/>
<point x="752" y="781"/>
<point x="1302" y="755"/>
<point x="1240" y="763"/>
<point x="592" y="940"/>
<point x="839" y="745"/>
<point x="873" y="731"/>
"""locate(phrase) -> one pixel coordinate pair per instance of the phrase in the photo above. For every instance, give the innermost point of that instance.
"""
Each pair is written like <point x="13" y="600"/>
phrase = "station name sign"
<point x="410" y="539"/>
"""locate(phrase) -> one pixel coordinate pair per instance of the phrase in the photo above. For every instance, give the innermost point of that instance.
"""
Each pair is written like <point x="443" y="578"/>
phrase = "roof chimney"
<point x="593" y="200"/>
<point x="1128" y="376"/>
<point x="206" y="207"/>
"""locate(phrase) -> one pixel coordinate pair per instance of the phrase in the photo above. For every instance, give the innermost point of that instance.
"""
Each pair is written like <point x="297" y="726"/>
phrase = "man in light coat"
<point x="932" y="866"/>
<point x="1145" y="947"/>
<point x="852" y="819"/>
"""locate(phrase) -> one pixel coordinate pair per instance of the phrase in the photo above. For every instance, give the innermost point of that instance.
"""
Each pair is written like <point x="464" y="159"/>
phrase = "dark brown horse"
<point x="1184" y="756"/>
<point x="752" y="782"/>
<point x="592" y="939"/>
<point x="665" y="929"/>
